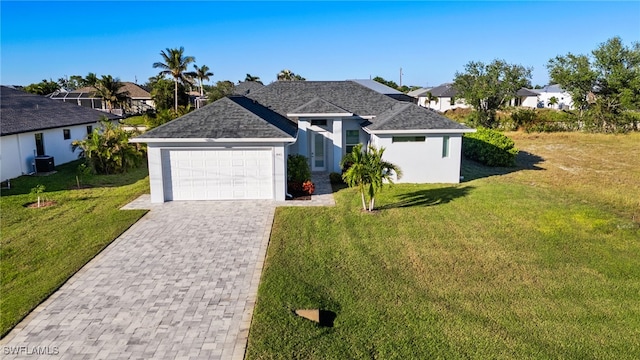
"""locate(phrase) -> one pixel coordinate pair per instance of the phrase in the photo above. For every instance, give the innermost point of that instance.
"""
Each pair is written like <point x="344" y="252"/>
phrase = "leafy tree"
<point x="368" y="171"/>
<point x="175" y="64"/>
<point x="42" y="88"/>
<point x="612" y="72"/>
<point x="249" y="77"/>
<point x="389" y="83"/>
<point x="202" y="74"/>
<point x="488" y="87"/>
<point x="110" y="90"/>
<point x="107" y="149"/>
<point x="162" y="93"/>
<point x="288" y="75"/>
<point x="220" y="90"/>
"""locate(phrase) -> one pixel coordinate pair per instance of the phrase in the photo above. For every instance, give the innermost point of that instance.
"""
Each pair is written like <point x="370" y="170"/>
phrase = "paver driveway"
<point x="180" y="283"/>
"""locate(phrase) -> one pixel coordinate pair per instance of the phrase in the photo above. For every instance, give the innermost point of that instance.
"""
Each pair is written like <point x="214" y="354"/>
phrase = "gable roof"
<point x="419" y="92"/>
<point x="23" y="112"/>
<point x="285" y="96"/>
<point x="408" y="116"/>
<point x="319" y="106"/>
<point x="444" y="90"/>
<point x="233" y="117"/>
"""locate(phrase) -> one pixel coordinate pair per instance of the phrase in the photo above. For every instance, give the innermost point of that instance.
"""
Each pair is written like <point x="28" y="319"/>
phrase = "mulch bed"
<point x="34" y="205"/>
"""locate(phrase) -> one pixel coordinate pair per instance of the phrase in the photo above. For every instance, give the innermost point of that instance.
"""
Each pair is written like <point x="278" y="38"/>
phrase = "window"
<point x="396" y="139"/>
<point x="445" y="146"/>
<point x="66" y="133"/>
<point x="89" y="129"/>
<point x="352" y="139"/>
<point x="453" y="101"/>
<point x="322" y="122"/>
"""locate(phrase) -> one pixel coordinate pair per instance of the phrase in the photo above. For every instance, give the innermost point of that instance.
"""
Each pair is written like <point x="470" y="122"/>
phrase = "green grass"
<point x="138" y="120"/>
<point x="42" y="248"/>
<point x="532" y="262"/>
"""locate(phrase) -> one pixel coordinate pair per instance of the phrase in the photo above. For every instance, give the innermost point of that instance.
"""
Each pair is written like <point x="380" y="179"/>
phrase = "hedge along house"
<point x="37" y="128"/>
<point x="236" y="147"/>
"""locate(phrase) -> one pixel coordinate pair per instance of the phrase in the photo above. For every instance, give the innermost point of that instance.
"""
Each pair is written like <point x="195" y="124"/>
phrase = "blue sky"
<point x="429" y="40"/>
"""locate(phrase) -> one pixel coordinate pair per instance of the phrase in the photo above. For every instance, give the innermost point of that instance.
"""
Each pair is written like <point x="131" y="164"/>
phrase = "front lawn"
<point x="41" y="248"/>
<point x="535" y="263"/>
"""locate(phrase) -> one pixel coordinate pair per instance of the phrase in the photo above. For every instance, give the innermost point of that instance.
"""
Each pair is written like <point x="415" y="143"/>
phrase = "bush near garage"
<point x="489" y="147"/>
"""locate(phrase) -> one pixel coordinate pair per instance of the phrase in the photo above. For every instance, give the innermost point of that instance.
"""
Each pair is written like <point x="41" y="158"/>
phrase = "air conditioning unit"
<point x="44" y="164"/>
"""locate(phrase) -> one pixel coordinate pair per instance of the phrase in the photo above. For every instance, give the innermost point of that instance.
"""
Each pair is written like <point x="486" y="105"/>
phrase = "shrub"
<point x="298" y="169"/>
<point x="335" y="178"/>
<point x="308" y="187"/>
<point x="489" y="147"/>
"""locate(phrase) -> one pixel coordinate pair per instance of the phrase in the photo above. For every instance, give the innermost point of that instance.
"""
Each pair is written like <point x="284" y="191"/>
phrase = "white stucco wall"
<point x="156" y="158"/>
<point x="443" y="104"/>
<point x="564" y="99"/>
<point x="17" y="151"/>
<point x="422" y="162"/>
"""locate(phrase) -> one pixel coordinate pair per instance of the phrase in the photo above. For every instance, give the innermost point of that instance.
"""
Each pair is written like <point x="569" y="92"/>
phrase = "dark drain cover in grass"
<point x="322" y="317"/>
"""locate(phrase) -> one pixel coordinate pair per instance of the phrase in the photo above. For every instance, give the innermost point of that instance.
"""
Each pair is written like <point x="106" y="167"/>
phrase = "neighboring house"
<point x="526" y="98"/>
<point x="139" y="102"/>
<point x="35" y="126"/>
<point x="444" y="98"/>
<point x="564" y="101"/>
<point x="237" y="147"/>
<point x="385" y="90"/>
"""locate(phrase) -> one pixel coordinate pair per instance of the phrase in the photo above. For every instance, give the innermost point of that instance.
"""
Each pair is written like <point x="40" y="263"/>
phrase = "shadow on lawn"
<point x="429" y="197"/>
<point x="472" y="170"/>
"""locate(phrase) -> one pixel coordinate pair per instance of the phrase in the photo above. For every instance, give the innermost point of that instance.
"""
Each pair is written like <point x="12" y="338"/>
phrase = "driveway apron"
<point x="181" y="283"/>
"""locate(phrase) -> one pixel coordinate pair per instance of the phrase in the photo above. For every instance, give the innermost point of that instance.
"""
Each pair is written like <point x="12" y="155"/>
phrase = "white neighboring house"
<point x="563" y="98"/>
<point x="34" y="126"/>
<point x="237" y="147"/>
<point x="444" y="98"/>
<point x="526" y="98"/>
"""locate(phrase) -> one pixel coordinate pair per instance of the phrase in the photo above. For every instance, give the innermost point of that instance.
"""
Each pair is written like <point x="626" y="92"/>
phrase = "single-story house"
<point x="34" y="126"/>
<point x="563" y="100"/>
<point x="443" y="98"/>
<point x="139" y="102"/>
<point x="526" y="98"/>
<point x="237" y="147"/>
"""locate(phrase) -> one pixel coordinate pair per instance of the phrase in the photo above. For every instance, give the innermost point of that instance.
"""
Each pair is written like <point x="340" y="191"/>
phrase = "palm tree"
<point x="369" y="171"/>
<point x="430" y="98"/>
<point x="202" y="74"/>
<point x="110" y="90"/>
<point x="250" y="77"/>
<point x="553" y="101"/>
<point x="175" y="63"/>
<point x="91" y="79"/>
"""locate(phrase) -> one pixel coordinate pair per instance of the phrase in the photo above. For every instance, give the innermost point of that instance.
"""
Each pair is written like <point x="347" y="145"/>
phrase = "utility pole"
<point x="400" y="77"/>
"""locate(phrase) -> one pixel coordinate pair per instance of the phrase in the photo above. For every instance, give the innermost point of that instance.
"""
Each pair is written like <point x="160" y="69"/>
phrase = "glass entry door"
<point x="318" y="162"/>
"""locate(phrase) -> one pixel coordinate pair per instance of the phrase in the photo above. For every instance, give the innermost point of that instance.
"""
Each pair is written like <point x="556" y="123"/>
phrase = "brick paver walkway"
<point x="181" y="283"/>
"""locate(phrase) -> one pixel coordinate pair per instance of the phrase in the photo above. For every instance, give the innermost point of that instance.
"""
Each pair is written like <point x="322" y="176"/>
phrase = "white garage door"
<point x="217" y="174"/>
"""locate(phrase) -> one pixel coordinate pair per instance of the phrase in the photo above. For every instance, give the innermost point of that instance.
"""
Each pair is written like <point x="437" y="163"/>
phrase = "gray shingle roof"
<point x="376" y="86"/>
<point x="285" y="96"/>
<point x="444" y="90"/>
<point x="319" y="106"/>
<point x="408" y="116"/>
<point x="419" y="92"/>
<point x="527" y="92"/>
<point x="246" y="87"/>
<point x="233" y="117"/>
<point x="23" y="112"/>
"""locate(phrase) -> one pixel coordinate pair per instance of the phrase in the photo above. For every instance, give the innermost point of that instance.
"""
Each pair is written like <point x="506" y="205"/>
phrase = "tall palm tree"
<point x="175" y="64"/>
<point x="202" y="73"/>
<point x="250" y="77"/>
<point x="110" y="90"/>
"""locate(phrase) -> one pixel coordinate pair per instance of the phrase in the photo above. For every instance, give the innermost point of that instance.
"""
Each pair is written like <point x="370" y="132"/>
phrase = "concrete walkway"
<point x="181" y="283"/>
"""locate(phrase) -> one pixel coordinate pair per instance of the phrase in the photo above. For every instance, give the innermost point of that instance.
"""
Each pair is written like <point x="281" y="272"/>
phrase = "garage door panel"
<point x="218" y="174"/>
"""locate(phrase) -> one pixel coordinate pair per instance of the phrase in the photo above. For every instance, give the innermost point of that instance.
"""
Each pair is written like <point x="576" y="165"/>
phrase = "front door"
<point x="318" y="162"/>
